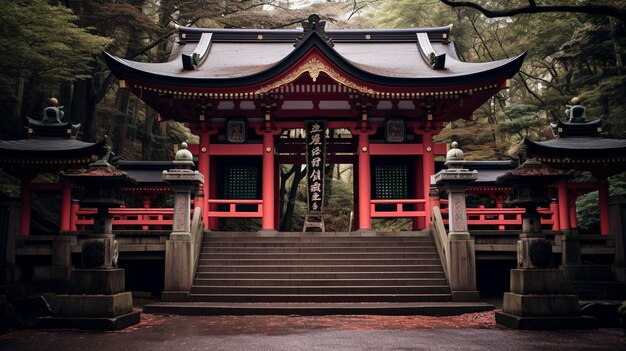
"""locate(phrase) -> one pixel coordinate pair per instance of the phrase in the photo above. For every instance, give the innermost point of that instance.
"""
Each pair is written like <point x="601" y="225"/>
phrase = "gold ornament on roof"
<point x="314" y="67"/>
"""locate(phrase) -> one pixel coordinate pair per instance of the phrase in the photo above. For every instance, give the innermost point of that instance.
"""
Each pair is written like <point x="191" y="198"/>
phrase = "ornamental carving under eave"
<point x="314" y="67"/>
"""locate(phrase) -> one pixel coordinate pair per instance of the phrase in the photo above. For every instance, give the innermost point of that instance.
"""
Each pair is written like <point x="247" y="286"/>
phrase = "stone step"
<point x="319" y="255"/>
<point x="320" y="268"/>
<point x="371" y="235"/>
<point x="320" y="261"/>
<point x="320" y="298"/>
<point x="322" y="290"/>
<point x="315" y="249"/>
<point x="254" y="282"/>
<point x="321" y="275"/>
<point x="318" y="239"/>
<point x="318" y="309"/>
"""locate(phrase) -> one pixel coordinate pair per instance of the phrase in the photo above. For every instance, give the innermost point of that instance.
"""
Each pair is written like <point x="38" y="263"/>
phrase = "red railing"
<point x="500" y="218"/>
<point x="399" y="211"/>
<point x="129" y="218"/>
<point x="233" y="211"/>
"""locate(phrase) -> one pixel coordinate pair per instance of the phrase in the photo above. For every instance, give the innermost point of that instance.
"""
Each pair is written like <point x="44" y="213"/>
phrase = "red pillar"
<point x="66" y="206"/>
<point x="428" y="169"/>
<point x="554" y="208"/>
<point x="355" y="194"/>
<point x="204" y="168"/>
<point x="603" y="192"/>
<point x="563" y="205"/>
<point x="277" y="196"/>
<point x="74" y="215"/>
<point x="418" y="222"/>
<point x="27" y="194"/>
<point x="365" y="187"/>
<point x="268" y="182"/>
<point x="500" y="204"/>
<point x="213" y="222"/>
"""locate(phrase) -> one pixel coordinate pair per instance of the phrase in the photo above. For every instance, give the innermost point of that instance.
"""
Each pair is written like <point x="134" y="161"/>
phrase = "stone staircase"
<point x="315" y="268"/>
<point x="319" y="273"/>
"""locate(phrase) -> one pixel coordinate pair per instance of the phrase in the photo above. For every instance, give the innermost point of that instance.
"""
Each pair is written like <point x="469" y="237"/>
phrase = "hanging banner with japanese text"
<point x="315" y="161"/>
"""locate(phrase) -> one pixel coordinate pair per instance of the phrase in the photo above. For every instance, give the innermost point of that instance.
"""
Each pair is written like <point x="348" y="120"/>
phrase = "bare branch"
<point x="592" y="9"/>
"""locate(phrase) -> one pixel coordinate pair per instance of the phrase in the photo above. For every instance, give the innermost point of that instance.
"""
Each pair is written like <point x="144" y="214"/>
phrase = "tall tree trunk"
<point x="77" y="107"/>
<point x="146" y="141"/>
<point x="65" y="98"/>
<point x="299" y="174"/>
<point x="19" y="99"/>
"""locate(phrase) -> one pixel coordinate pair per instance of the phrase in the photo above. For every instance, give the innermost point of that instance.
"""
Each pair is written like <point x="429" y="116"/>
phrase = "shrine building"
<point x="386" y="93"/>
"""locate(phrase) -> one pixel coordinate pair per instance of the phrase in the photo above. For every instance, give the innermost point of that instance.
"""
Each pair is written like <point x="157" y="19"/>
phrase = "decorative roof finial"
<point x="53" y="114"/>
<point x="184" y="157"/>
<point x="576" y="111"/>
<point x="455" y="158"/>
<point x="313" y="24"/>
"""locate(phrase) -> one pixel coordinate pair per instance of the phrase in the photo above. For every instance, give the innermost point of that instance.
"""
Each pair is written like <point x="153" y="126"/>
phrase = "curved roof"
<point x="47" y="148"/>
<point x="247" y="57"/>
<point x="577" y="147"/>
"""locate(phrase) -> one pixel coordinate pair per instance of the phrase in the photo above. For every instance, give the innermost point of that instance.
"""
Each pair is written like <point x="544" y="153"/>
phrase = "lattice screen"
<point x="241" y="182"/>
<point x="390" y="182"/>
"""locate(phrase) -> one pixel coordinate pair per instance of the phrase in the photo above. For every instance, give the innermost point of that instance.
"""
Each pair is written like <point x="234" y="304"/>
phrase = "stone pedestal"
<point x="56" y="278"/>
<point x="538" y="300"/>
<point x="462" y="268"/>
<point x="179" y="268"/>
<point x="98" y="302"/>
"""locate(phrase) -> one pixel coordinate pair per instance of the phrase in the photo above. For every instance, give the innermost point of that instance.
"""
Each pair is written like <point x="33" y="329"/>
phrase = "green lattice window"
<point x="241" y="182"/>
<point x="390" y="182"/>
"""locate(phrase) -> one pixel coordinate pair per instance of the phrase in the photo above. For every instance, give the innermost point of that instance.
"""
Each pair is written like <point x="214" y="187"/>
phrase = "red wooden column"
<point x="554" y="208"/>
<point x="355" y="194"/>
<point x="428" y="169"/>
<point x="500" y="204"/>
<point x="204" y="162"/>
<point x="74" y="215"/>
<point x="27" y="194"/>
<point x="277" y="195"/>
<point x="66" y="206"/>
<point x="268" y="181"/>
<point x="563" y="205"/>
<point x="364" y="179"/>
<point x="603" y="192"/>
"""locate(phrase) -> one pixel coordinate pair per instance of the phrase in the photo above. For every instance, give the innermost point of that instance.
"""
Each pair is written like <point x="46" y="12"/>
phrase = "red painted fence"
<point x="161" y="218"/>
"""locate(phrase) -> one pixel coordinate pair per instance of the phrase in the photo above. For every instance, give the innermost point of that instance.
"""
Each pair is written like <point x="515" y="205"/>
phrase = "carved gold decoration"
<point x="313" y="67"/>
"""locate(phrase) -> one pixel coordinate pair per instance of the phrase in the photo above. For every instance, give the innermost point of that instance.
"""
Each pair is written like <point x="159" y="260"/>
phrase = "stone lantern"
<point x="98" y="300"/>
<point x="461" y="263"/>
<point x="181" y="248"/>
<point x="538" y="297"/>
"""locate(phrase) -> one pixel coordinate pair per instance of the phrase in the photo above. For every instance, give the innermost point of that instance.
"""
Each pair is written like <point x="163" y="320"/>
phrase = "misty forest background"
<point x="53" y="48"/>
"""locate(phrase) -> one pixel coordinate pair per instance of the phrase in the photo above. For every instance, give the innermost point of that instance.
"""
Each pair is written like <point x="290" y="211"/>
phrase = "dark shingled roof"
<point x="47" y="148"/>
<point x="577" y="147"/>
<point x="247" y="57"/>
<point x="146" y="172"/>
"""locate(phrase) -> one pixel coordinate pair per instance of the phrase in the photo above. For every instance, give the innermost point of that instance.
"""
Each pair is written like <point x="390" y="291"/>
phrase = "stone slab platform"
<point x="93" y="323"/>
<point x="317" y="309"/>
<point x="545" y="323"/>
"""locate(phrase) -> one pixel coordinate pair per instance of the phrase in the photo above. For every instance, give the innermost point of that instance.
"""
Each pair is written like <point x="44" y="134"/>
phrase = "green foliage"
<point x="524" y="121"/>
<point x="588" y="213"/>
<point x="43" y="40"/>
